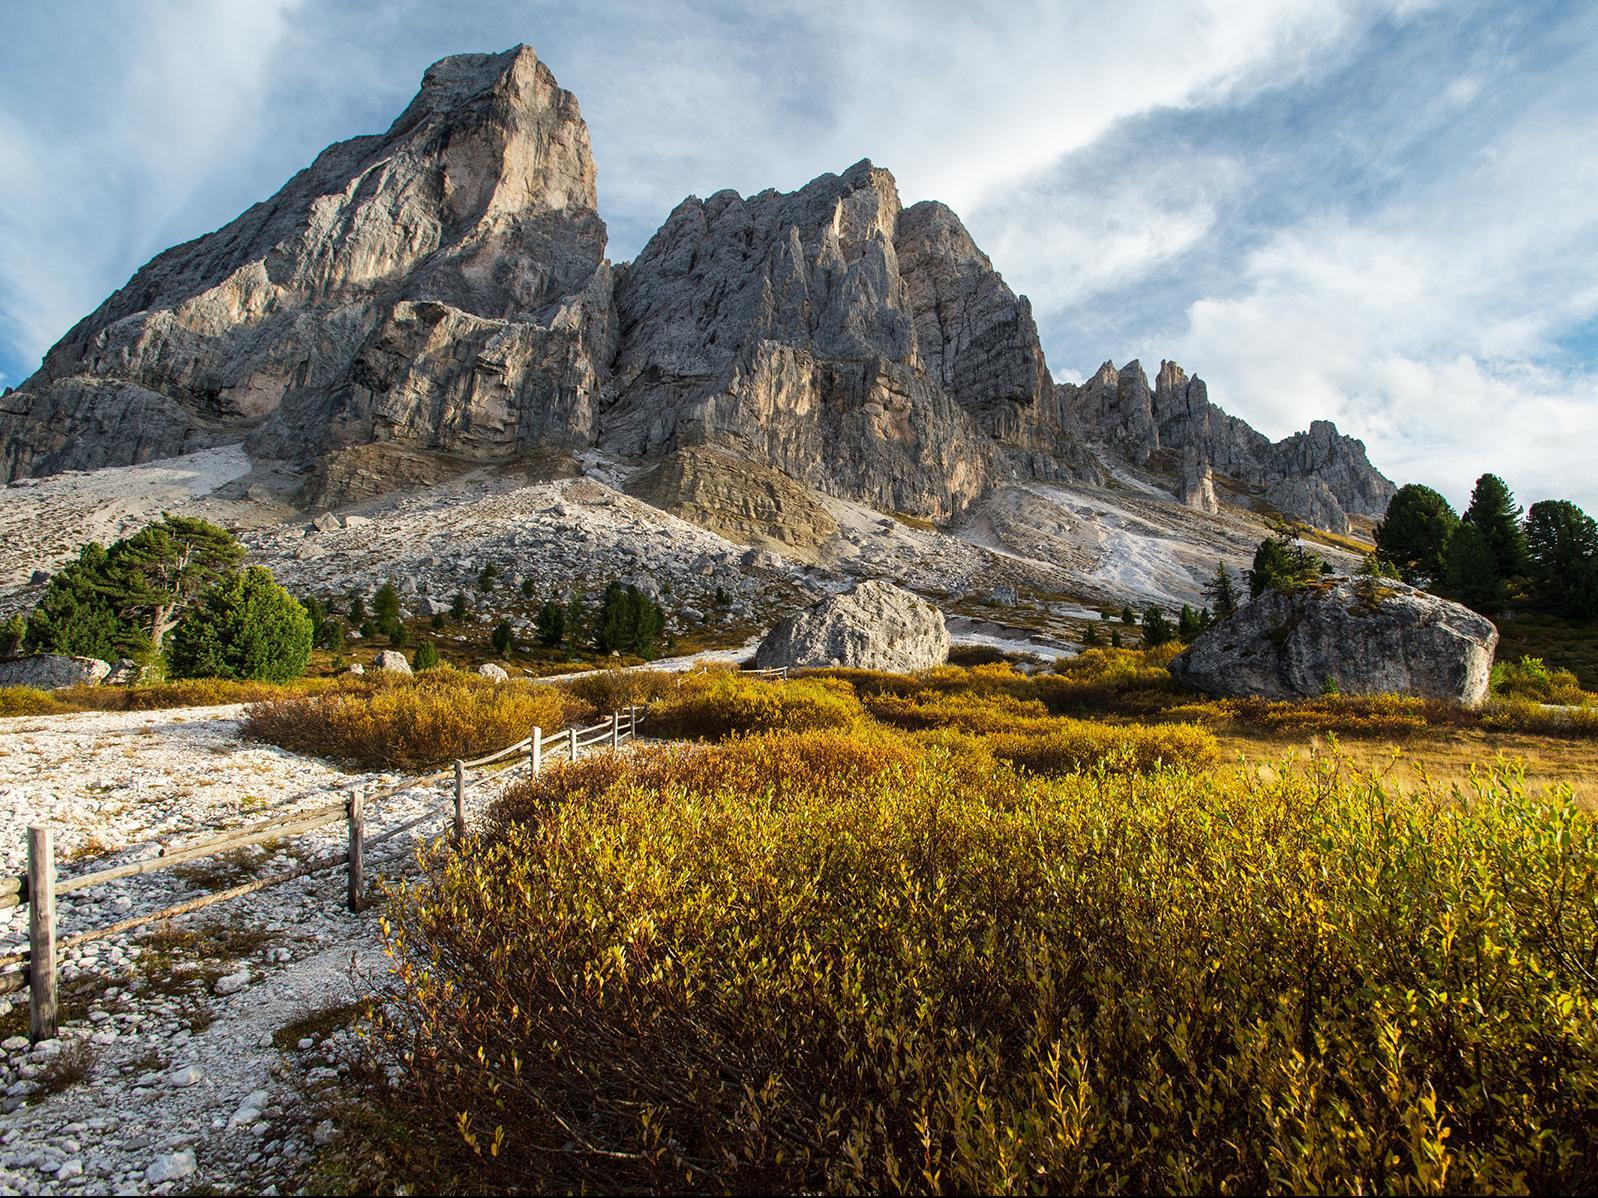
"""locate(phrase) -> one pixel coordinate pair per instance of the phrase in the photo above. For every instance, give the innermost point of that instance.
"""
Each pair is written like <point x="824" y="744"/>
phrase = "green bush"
<point x="720" y="970"/>
<point x="245" y="628"/>
<point x="426" y="657"/>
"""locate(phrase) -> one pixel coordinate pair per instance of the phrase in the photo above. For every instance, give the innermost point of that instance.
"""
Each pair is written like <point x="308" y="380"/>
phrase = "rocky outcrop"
<point x="1319" y="476"/>
<point x="875" y="626"/>
<point x="864" y="350"/>
<point x="391" y="661"/>
<point x="50" y="671"/>
<point x="742" y="500"/>
<point x="492" y="672"/>
<point x="441" y="286"/>
<point x="1361" y="635"/>
<point x="1196" y="487"/>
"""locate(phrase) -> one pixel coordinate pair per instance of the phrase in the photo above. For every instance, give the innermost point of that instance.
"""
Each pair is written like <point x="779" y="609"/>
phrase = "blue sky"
<point x="1384" y="212"/>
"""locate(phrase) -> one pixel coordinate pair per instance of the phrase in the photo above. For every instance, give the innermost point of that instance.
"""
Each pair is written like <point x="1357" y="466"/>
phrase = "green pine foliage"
<point x="629" y="622"/>
<point x="1414" y="533"/>
<point x="1562" y="543"/>
<point x="11" y="634"/>
<point x="426" y="657"/>
<point x="551" y="624"/>
<point x="1157" y="629"/>
<point x="1470" y="570"/>
<point x="1281" y="563"/>
<point x="504" y="638"/>
<point x="77" y="614"/>
<point x="246" y="628"/>
<point x="1222" y="592"/>
<point x="1128" y="616"/>
<point x="1190" y="623"/>
<point x="457" y="607"/>
<point x="1494" y="513"/>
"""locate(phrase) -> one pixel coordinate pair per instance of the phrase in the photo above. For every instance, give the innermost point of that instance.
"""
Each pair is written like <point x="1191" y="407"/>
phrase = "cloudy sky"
<point x="1384" y="212"/>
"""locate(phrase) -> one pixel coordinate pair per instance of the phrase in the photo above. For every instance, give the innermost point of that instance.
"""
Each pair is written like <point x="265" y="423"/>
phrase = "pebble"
<point x="232" y="983"/>
<point x="185" y="1077"/>
<point x="173" y="1167"/>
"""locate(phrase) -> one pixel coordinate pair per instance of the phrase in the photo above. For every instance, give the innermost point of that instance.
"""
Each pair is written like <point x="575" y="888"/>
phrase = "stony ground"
<point x="187" y="1048"/>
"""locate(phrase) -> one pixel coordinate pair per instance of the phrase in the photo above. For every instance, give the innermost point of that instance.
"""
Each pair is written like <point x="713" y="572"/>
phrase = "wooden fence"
<point x="780" y="672"/>
<point x="39" y="887"/>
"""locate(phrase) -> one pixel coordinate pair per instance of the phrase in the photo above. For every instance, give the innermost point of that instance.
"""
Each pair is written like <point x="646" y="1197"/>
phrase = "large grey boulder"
<point x="48" y="671"/>
<point x="489" y="670"/>
<point x="876" y="626"/>
<point x="393" y="661"/>
<point x="1365" y="635"/>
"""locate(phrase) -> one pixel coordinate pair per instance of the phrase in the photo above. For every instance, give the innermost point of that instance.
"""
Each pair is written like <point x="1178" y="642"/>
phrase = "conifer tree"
<point x="246" y="627"/>
<point x="551" y="623"/>
<point x="1222" y="592"/>
<point x="1414" y="533"/>
<point x="1495" y="514"/>
<point x="1156" y="628"/>
<point x="1562" y="543"/>
<point x="1470" y="570"/>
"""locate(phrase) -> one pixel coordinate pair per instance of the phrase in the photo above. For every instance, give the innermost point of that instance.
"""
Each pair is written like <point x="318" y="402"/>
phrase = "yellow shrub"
<point x="711" y="970"/>
<point x="1071" y="745"/>
<point x="403" y="723"/>
<point x="29" y="700"/>
<point x="718" y="704"/>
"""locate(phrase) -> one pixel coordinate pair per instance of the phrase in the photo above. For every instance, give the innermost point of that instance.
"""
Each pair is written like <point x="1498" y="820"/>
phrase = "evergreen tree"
<point x="629" y="622"/>
<point x="1156" y="628"/>
<point x="357" y="611"/>
<point x="1374" y="565"/>
<point x="386" y="604"/>
<point x="157" y="572"/>
<point x="1562" y="543"/>
<point x="246" y="627"/>
<point x="1189" y="624"/>
<point x="576" y="619"/>
<point x="1470" y="570"/>
<point x="1090" y="635"/>
<point x="528" y="587"/>
<point x="551" y="623"/>
<point x="485" y="579"/>
<point x="457" y="606"/>
<point x="1128" y="616"/>
<point x="504" y="638"/>
<point x="1115" y="638"/>
<point x="1222" y="591"/>
<point x="1281" y="563"/>
<point x="426" y="657"/>
<point x="11" y="635"/>
<point x="77" y="616"/>
<point x="1414" y="533"/>
<point x="1495" y="514"/>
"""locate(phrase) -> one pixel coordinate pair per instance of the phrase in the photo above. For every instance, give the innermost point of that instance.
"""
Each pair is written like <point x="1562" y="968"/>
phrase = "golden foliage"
<point x="836" y="962"/>
<point x="714" y="704"/>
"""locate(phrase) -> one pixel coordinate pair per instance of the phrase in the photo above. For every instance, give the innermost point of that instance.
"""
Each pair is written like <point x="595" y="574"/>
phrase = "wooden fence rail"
<point x="39" y="887"/>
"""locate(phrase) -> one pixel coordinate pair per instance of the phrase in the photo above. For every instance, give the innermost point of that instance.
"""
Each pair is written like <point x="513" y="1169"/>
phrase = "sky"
<point x="1380" y="212"/>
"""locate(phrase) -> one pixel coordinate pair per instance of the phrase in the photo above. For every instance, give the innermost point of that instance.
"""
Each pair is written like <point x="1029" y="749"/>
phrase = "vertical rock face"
<point x="441" y="285"/>
<point x="866" y="350"/>
<point x="1320" y="476"/>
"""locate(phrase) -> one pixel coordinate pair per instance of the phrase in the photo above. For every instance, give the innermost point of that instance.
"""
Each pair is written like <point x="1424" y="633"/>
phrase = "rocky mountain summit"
<point x="435" y="298"/>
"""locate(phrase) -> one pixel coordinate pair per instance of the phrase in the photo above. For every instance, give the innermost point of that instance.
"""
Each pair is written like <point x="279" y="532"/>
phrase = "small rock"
<point x="490" y="670"/>
<point x="232" y="983"/>
<point x="69" y="1168"/>
<point x="173" y="1167"/>
<point x="14" y="1043"/>
<point x="185" y="1077"/>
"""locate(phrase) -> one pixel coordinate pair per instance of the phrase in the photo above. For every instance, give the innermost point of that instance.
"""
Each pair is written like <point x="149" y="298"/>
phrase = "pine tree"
<point x="576" y="619"/>
<point x="457" y="606"/>
<point x="11" y="635"/>
<point x="357" y="610"/>
<point x="1494" y="512"/>
<point x="504" y="638"/>
<point x="426" y="657"/>
<point x="1470" y="570"/>
<point x="1562" y="543"/>
<point x="1128" y="616"/>
<point x="1115" y="638"/>
<point x="485" y="579"/>
<point x="1281" y="563"/>
<point x="1414" y="533"/>
<point x="1189" y="624"/>
<point x="246" y="627"/>
<point x="77" y="616"/>
<point x="1090" y="635"/>
<point x="551" y="623"/>
<point x="529" y="587"/>
<point x="386" y="604"/>
<point x="1222" y="592"/>
<point x="1156" y="628"/>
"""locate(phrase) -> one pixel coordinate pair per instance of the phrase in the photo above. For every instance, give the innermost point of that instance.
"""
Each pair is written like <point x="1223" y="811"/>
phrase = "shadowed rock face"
<point x="1319" y="476"/>
<point x="437" y="295"/>
<point x="441" y="285"/>
<point x="1366" y="635"/>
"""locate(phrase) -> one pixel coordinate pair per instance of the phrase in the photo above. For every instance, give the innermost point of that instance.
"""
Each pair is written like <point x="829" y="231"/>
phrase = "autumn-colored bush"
<point x="1532" y="679"/>
<point x="1069" y="745"/>
<point x="412" y="722"/>
<point x="605" y="691"/>
<point x="1539" y="719"/>
<point x="191" y="692"/>
<point x="718" y="970"/>
<point x="714" y="704"/>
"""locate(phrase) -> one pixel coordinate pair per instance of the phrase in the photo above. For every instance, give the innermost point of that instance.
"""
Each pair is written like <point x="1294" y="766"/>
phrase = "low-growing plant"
<point x="717" y="969"/>
<point x="402" y="723"/>
<point x="713" y="704"/>
<point x="1532" y="678"/>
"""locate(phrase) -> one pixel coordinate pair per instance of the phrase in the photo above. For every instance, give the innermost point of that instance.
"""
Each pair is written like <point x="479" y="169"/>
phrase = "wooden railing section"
<point x="39" y="886"/>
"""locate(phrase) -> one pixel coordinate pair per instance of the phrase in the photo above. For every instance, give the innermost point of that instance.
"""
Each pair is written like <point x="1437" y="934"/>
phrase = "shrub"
<point x="711" y="705"/>
<point x="426" y="657"/>
<point x="1532" y="678"/>
<point x="1071" y="745"/>
<point x="404" y="723"/>
<point x="716" y="970"/>
<point x="616" y="690"/>
<point x="247" y="627"/>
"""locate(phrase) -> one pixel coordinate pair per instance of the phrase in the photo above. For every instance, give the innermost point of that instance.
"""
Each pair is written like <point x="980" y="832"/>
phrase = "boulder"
<point x="875" y="626"/>
<point x="489" y="670"/>
<point x="1363" y="635"/>
<point x="391" y="659"/>
<point x="49" y="671"/>
<point x="124" y="672"/>
<point x="1004" y="595"/>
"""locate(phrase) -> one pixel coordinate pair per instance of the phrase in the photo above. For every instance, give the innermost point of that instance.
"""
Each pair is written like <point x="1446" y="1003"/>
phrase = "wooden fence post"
<point x="357" y="817"/>
<point x="538" y="751"/>
<point x="615" y="730"/>
<point x="571" y="739"/>
<point x="460" y="799"/>
<point x="41" y="933"/>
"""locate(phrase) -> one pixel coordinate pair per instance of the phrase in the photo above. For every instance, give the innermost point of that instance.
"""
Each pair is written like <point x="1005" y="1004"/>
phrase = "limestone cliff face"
<point x="436" y="296"/>
<point x="441" y="285"/>
<point x="867" y="350"/>
<point x="1319" y="476"/>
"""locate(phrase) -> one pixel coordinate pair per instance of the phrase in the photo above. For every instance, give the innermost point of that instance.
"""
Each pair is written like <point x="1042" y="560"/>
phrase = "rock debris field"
<point x="187" y="1046"/>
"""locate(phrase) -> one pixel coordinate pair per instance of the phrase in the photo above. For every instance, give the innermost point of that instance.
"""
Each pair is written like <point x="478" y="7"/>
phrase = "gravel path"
<point x="166" y="1076"/>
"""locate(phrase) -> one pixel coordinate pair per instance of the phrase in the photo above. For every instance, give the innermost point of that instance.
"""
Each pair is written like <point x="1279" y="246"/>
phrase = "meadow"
<point x="979" y="930"/>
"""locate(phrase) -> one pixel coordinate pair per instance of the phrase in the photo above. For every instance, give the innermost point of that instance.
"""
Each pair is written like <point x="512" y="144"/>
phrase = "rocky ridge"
<point x="419" y="302"/>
